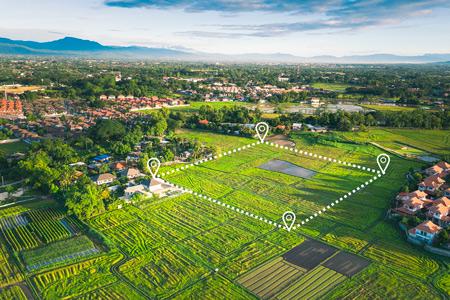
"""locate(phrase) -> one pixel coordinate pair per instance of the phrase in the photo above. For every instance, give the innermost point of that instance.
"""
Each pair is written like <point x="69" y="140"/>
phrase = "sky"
<point x="304" y="28"/>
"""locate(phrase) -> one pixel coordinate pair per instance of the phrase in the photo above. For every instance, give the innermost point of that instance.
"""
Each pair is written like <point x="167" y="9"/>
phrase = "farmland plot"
<point x="76" y="279"/>
<point x="313" y="285"/>
<point x="20" y="238"/>
<point x="164" y="271"/>
<point x="271" y="278"/>
<point x="9" y="273"/>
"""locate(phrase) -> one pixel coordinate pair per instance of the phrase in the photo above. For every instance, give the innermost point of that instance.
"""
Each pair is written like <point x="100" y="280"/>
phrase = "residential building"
<point x="135" y="189"/>
<point x="104" y="178"/>
<point x="431" y="184"/>
<point x="439" y="212"/>
<point x="425" y="232"/>
<point x="131" y="173"/>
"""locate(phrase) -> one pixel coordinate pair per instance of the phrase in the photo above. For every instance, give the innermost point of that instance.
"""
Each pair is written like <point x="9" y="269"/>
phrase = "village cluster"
<point x="126" y="174"/>
<point x="54" y="118"/>
<point x="430" y="203"/>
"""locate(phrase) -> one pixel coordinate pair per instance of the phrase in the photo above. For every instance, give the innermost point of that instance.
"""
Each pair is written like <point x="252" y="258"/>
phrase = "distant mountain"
<point x="74" y="47"/>
<point x="70" y="46"/>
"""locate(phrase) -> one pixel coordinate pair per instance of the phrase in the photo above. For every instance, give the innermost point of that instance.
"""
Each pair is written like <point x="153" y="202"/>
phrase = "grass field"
<point x="11" y="148"/>
<point x="330" y="86"/>
<point x="388" y="107"/>
<point x="221" y="141"/>
<point x="432" y="141"/>
<point x="195" y="106"/>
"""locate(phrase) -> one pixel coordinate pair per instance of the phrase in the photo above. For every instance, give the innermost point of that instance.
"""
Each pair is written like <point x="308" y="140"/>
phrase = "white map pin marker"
<point x="262" y="128"/>
<point x="383" y="161"/>
<point x="288" y="220"/>
<point x="153" y="165"/>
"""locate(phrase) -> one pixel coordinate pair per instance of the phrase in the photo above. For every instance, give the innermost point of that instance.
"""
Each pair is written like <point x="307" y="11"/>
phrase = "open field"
<point x="20" y="89"/>
<point x="409" y="138"/>
<point x="221" y="141"/>
<point x="330" y="86"/>
<point x="194" y="106"/>
<point x="388" y="107"/>
<point x="11" y="148"/>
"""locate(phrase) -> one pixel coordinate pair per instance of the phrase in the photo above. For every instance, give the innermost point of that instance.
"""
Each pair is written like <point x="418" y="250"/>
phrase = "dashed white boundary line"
<point x="231" y="207"/>
<point x="215" y="157"/>
<point x="292" y="149"/>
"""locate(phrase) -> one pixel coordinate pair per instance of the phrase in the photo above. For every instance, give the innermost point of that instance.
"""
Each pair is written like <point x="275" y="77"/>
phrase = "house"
<point x="315" y="102"/>
<point x="119" y="166"/>
<point x="434" y="170"/>
<point x="203" y="122"/>
<point x="316" y="128"/>
<point x="416" y="194"/>
<point x="447" y="193"/>
<point x="102" y="158"/>
<point x="431" y="183"/>
<point x="158" y="187"/>
<point x="413" y="205"/>
<point x="440" y="212"/>
<point x="104" y="178"/>
<point x="296" y="126"/>
<point x="135" y="189"/>
<point x="424" y="232"/>
<point x="131" y="173"/>
<point x="444" y="165"/>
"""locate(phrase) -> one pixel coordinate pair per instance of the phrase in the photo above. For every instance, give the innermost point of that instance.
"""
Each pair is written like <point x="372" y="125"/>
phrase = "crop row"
<point x="9" y="273"/>
<point x="45" y="214"/>
<point x="13" y="221"/>
<point x="20" y="238"/>
<point x="271" y="278"/>
<point x="50" y="231"/>
<point x="313" y="284"/>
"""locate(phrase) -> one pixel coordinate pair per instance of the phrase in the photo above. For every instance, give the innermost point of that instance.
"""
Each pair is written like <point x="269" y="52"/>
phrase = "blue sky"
<point x="306" y="28"/>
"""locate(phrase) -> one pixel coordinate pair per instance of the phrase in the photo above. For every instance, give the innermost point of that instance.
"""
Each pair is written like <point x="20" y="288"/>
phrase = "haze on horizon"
<point x="304" y="28"/>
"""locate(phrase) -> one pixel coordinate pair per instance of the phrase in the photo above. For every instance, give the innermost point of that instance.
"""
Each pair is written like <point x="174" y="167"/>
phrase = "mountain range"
<point x="75" y="47"/>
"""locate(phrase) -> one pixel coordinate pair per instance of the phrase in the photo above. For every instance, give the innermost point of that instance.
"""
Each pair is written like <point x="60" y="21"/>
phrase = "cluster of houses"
<point x="24" y="134"/>
<point x="47" y="107"/>
<point x="131" y="103"/>
<point x="431" y="200"/>
<point x="134" y="178"/>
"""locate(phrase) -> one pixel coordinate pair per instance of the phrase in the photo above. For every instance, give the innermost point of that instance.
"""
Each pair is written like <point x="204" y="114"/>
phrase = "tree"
<point x="108" y="130"/>
<point x="443" y="237"/>
<point x="85" y="199"/>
